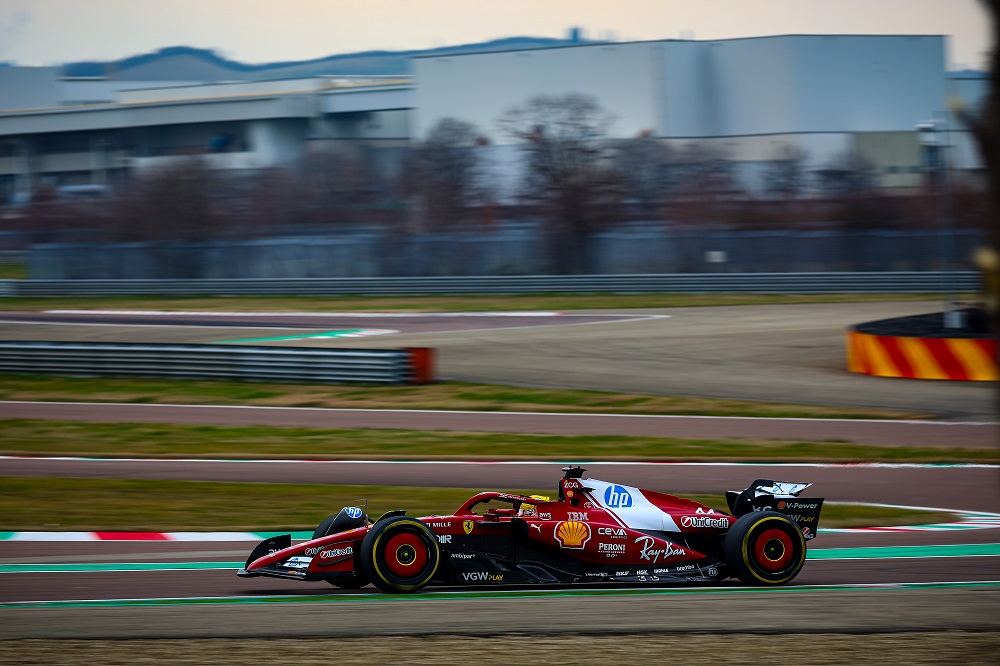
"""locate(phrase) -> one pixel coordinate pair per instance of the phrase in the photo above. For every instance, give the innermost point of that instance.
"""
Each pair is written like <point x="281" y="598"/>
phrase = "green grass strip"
<point x="117" y="440"/>
<point x="442" y="395"/>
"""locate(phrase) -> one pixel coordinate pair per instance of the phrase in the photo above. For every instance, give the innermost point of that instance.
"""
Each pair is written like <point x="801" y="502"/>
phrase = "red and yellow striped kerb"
<point x="972" y="359"/>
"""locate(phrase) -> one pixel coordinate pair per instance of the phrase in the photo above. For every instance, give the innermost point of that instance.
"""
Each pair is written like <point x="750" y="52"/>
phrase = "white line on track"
<point x="610" y="318"/>
<point x="163" y="325"/>
<point x="943" y="424"/>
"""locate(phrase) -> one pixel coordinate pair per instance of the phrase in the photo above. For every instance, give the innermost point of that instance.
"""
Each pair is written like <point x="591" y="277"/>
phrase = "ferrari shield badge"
<point x="468" y="525"/>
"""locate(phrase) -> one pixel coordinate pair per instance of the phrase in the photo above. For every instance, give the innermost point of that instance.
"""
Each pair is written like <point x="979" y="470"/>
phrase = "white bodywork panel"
<point x="630" y="506"/>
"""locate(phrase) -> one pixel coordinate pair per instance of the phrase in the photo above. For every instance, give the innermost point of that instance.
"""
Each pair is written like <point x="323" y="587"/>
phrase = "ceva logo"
<point x="616" y="496"/>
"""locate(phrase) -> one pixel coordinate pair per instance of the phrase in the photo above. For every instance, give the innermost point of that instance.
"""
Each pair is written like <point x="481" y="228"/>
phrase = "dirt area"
<point x="954" y="647"/>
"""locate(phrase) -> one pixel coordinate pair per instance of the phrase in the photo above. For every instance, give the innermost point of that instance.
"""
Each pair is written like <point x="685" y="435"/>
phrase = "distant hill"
<point x="184" y="63"/>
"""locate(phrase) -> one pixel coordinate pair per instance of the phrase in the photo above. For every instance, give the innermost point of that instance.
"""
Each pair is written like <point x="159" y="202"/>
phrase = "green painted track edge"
<point x="301" y="336"/>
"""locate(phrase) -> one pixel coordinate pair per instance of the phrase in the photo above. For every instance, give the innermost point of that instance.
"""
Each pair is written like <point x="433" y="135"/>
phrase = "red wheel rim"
<point x="773" y="550"/>
<point x="405" y="554"/>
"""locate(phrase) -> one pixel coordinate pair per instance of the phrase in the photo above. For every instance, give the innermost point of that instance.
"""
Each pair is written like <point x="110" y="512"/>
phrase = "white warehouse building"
<point x="824" y="94"/>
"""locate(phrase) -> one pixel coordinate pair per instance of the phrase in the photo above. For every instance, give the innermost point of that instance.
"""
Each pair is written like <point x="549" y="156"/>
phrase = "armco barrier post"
<point x="422" y="364"/>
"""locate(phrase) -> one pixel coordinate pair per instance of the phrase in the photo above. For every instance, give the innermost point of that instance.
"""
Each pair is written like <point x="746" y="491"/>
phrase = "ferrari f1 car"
<point x="595" y="531"/>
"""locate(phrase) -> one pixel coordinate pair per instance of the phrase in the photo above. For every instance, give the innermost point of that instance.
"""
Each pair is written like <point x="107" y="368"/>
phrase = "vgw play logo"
<point x="616" y="496"/>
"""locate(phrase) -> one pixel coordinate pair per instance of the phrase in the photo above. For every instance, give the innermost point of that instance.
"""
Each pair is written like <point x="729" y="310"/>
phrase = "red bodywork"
<point x="594" y="531"/>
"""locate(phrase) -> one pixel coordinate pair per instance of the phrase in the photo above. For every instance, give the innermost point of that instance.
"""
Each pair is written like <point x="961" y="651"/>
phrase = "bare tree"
<point x="180" y="201"/>
<point x="706" y="171"/>
<point x="846" y="175"/>
<point x="647" y="170"/>
<point x="569" y="172"/>
<point x="785" y="175"/>
<point x="336" y="187"/>
<point x="707" y="184"/>
<point x="268" y="202"/>
<point x="446" y="173"/>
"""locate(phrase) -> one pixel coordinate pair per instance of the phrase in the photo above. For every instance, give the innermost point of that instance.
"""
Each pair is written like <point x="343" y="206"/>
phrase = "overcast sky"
<point x="46" y="32"/>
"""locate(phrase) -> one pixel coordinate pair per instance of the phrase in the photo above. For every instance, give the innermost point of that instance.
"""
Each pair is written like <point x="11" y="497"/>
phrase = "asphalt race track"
<point x="913" y="581"/>
<point x="780" y="353"/>
<point x="101" y="598"/>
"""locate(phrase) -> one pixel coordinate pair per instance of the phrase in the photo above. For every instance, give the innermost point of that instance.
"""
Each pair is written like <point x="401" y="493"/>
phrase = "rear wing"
<point x="780" y="496"/>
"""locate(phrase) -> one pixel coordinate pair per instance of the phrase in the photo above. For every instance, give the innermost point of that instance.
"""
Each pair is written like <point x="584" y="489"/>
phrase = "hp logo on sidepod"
<point x="616" y="496"/>
<point x="352" y="511"/>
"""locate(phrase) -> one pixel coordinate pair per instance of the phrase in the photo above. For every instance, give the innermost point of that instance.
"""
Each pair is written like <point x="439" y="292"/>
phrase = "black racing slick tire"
<point x="400" y="554"/>
<point x="765" y="548"/>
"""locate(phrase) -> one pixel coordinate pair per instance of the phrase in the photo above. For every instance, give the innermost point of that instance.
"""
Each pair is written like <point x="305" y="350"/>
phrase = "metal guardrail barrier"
<point x="224" y="362"/>
<point x="760" y="283"/>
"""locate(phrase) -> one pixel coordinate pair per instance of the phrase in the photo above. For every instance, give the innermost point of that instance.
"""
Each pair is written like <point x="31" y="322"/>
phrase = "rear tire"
<point x="400" y="554"/>
<point x="765" y="548"/>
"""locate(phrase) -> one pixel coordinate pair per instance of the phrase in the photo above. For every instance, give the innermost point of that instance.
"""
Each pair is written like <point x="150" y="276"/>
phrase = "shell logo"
<point x="572" y="534"/>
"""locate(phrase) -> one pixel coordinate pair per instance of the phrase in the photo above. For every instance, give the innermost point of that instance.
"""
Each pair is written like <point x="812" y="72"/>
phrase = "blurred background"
<point x="653" y="139"/>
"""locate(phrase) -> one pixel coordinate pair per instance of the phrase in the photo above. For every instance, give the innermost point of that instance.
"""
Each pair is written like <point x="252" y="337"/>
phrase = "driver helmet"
<point x="529" y="509"/>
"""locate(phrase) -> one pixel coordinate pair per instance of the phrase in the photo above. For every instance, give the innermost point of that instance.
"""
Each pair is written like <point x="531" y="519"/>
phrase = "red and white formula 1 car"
<point x="595" y="531"/>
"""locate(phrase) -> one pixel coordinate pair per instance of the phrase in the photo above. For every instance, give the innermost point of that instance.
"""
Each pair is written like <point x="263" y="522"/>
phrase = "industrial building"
<point x="825" y="95"/>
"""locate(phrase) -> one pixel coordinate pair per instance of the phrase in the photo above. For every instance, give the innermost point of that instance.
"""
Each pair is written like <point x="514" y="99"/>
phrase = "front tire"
<point x="400" y="554"/>
<point x="765" y="548"/>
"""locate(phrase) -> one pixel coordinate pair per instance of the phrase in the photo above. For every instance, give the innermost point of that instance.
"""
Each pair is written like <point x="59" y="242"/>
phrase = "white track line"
<point x="163" y="325"/>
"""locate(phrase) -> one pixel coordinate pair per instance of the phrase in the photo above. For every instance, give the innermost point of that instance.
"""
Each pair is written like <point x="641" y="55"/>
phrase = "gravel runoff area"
<point x="936" y="648"/>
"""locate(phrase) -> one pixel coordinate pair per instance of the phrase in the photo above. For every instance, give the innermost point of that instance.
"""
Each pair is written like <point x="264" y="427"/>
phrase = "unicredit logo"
<point x="703" y="521"/>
